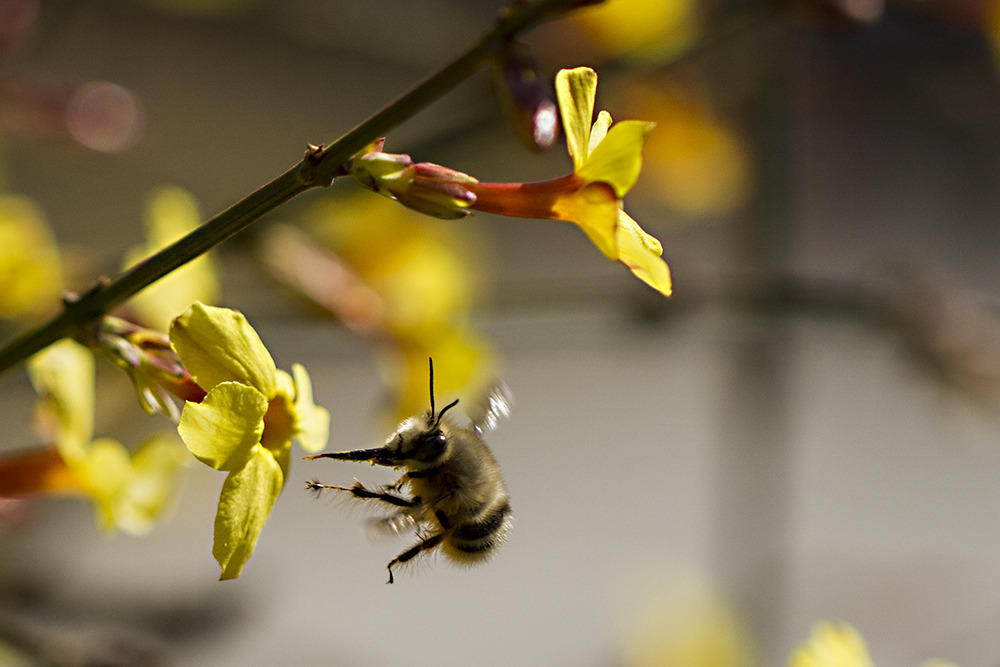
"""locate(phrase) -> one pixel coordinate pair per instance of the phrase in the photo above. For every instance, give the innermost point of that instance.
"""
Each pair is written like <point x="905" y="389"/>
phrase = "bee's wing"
<point x="395" y="524"/>
<point x="494" y="406"/>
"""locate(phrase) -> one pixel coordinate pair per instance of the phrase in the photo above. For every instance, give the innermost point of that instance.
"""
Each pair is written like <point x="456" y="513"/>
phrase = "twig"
<point x="319" y="167"/>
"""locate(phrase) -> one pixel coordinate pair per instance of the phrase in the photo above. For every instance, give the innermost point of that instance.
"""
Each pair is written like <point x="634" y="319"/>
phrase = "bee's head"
<point x="421" y="441"/>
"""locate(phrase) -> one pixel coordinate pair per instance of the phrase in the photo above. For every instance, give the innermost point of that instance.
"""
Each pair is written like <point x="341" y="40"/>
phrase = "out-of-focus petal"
<point x="106" y="470"/>
<point x="155" y="467"/>
<point x="171" y="212"/>
<point x="30" y="274"/>
<point x="464" y="367"/>
<point x="641" y="29"/>
<point x="63" y="376"/>
<point x="832" y="645"/>
<point x="313" y="420"/>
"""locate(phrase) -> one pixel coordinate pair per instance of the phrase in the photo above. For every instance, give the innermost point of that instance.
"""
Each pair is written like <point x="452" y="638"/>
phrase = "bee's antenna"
<point x="436" y="420"/>
<point x="445" y="409"/>
<point x="430" y="361"/>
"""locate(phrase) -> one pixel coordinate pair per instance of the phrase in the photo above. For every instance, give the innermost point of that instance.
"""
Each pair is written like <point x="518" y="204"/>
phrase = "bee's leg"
<point x="359" y="490"/>
<point x="399" y="483"/>
<point x="378" y="456"/>
<point x="423" y="545"/>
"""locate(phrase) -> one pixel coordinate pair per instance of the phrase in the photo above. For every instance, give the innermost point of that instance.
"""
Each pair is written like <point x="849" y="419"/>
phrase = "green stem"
<point x="317" y="169"/>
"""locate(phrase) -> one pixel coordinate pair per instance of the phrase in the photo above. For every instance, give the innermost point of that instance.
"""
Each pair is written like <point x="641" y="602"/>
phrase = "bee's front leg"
<point x="378" y="456"/>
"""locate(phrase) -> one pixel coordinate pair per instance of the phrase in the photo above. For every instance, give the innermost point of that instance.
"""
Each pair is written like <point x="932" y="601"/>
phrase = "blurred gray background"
<point x="808" y="428"/>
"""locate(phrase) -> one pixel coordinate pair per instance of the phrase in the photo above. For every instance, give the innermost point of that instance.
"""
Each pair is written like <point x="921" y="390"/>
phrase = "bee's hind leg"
<point x="423" y="545"/>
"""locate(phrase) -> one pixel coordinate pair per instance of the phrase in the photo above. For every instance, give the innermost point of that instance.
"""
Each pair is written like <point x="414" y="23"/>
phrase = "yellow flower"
<point x="245" y="424"/>
<point x="832" y="645"/>
<point x="607" y="159"/>
<point x="129" y="491"/>
<point x="171" y="212"/>
<point x="30" y="273"/>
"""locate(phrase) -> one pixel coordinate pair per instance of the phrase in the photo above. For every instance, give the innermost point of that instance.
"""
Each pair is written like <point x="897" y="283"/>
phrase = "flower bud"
<point x="151" y="363"/>
<point x="425" y="187"/>
<point x="527" y="99"/>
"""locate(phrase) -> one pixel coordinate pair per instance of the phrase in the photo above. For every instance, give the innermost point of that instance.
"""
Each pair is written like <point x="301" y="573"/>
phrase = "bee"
<point x="457" y="501"/>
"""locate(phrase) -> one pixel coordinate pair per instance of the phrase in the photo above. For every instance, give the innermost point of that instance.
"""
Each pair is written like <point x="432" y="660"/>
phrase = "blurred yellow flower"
<point x="679" y="618"/>
<point x="171" y="213"/>
<point x="832" y="645"/>
<point x="129" y="491"/>
<point x="694" y="163"/>
<point x="641" y="29"/>
<point x="405" y="282"/>
<point x="840" y="645"/>
<point x="30" y="275"/>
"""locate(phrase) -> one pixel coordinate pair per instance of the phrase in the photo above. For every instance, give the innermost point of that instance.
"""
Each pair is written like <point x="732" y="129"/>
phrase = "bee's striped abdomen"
<point x="480" y="536"/>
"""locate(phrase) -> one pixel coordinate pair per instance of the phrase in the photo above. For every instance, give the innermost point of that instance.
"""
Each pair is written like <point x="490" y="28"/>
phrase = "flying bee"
<point x="456" y="499"/>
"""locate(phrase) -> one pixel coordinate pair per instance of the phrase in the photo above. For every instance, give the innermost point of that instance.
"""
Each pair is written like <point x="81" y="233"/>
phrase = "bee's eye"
<point x="429" y="446"/>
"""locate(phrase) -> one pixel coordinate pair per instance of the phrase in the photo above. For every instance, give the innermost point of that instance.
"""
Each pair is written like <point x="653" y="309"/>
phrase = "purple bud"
<point x="526" y="97"/>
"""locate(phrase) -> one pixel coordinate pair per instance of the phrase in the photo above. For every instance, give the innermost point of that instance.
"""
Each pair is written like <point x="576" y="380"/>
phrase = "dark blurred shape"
<point x="842" y="12"/>
<point x="17" y="18"/>
<point x="203" y="8"/>
<point x="100" y="115"/>
<point x="65" y="647"/>
<point x="323" y="278"/>
<point x="949" y="329"/>
<point x="526" y="97"/>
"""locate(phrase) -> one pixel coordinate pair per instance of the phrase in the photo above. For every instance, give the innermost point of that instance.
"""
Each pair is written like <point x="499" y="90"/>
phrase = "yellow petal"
<point x="30" y="272"/>
<point x="641" y="253"/>
<point x="281" y="422"/>
<point x="219" y="345"/>
<point x="575" y="91"/>
<point x="599" y="130"/>
<point x="223" y="429"/>
<point x="832" y="645"/>
<point x="313" y="428"/>
<point x="244" y="507"/>
<point x="618" y="159"/>
<point x="155" y="467"/>
<point x="105" y="471"/>
<point x="594" y="208"/>
<point x="63" y="376"/>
